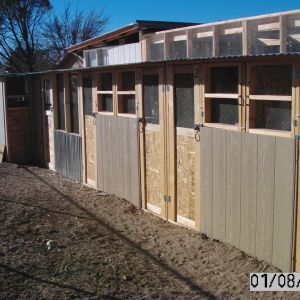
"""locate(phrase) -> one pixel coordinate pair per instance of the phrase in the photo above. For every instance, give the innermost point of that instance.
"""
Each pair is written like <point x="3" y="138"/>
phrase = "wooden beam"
<point x="171" y="144"/>
<point x="215" y="41"/>
<point x="95" y="110"/>
<point x="249" y="110"/>
<point x="270" y="98"/>
<point x="295" y="100"/>
<point x="82" y="125"/>
<point x="241" y="98"/>
<point x="222" y="96"/>
<point x="141" y="127"/>
<point x="67" y="102"/>
<point x="245" y="38"/>
<point x="55" y="102"/>
<point x="198" y="104"/>
<point x="282" y="33"/>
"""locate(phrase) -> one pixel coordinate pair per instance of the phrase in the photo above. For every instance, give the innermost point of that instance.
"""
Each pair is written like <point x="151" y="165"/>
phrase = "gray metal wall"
<point x="68" y="157"/>
<point x="2" y="115"/>
<point x="118" y="157"/>
<point x="247" y="192"/>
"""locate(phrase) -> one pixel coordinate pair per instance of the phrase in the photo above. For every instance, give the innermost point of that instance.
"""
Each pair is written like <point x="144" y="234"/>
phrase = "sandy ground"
<point x="101" y="247"/>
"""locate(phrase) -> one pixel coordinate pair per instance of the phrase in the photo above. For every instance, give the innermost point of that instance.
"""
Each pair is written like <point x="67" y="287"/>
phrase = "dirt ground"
<point x="60" y="240"/>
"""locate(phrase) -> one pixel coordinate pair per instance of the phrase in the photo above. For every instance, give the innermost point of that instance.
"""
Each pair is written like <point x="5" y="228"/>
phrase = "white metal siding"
<point x="118" y="55"/>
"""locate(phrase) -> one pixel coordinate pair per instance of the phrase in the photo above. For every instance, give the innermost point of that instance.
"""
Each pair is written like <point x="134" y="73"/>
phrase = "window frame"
<point x="281" y="98"/>
<point x="207" y="96"/>
<point x="101" y="92"/>
<point x="120" y="93"/>
<point x="184" y="69"/>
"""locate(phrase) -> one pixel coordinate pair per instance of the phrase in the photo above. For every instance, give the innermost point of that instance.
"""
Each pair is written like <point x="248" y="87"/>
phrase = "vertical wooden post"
<point x="141" y="133"/>
<point x="114" y="93"/>
<point x="189" y="44"/>
<point x="248" y="73"/>
<point x="94" y="92"/>
<point x="282" y="33"/>
<point x="54" y="98"/>
<point x="82" y="125"/>
<point x="144" y="50"/>
<point x="215" y="41"/>
<point x="242" y="97"/>
<point x="171" y="141"/>
<point x="95" y="111"/>
<point x="296" y="104"/>
<point x="245" y="37"/>
<point x="163" y="124"/>
<point x="166" y="46"/>
<point x="198" y="92"/>
<point x="67" y="102"/>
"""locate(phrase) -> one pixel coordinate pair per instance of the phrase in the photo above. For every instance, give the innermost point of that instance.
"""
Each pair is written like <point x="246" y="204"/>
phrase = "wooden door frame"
<point x="172" y="137"/>
<point x="162" y="106"/>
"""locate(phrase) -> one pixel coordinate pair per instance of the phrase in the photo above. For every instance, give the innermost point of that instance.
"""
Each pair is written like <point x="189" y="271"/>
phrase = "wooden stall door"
<point x="184" y="144"/>
<point x="88" y="84"/>
<point x="153" y="117"/>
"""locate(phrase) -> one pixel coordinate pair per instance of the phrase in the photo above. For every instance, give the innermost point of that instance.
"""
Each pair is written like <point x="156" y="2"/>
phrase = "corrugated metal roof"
<point x="279" y="55"/>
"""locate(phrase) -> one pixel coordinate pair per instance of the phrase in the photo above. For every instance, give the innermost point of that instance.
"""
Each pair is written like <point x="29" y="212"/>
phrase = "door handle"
<point x="141" y="124"/>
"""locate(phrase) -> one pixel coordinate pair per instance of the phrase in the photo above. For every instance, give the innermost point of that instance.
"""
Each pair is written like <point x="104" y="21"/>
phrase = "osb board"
<point x="90" y="131"/>
<point x="19" y="136"/>
<point x="186" y="162"/>
<point x="153" y="173"/>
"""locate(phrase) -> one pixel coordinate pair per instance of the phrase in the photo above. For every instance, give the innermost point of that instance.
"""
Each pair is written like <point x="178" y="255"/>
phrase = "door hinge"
<point x="295" y="123"/>
<point x="167" y="198"/>
<point x="165" y="87"/>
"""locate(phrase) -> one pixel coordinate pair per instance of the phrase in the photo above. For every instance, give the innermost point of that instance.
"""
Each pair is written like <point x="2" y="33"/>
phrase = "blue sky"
<point x="125" y="12"/>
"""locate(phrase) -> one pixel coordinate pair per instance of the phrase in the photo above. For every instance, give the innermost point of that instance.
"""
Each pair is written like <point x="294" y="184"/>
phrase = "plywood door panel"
<point x="219" y="184"/>
<point x="118" y="157"/>
<point x="233" y="187"/>
<point x="153" y="150"/>
<point x="90" y="149"/>
<point x="186" y="151"/>
<point x="283" y="204"/>
<point x="206" y="180"/>
<point x="182" y="120"/>
<point x="248" y="193"/>
<point x="135" y="165"/>
<point x="265" y="197"/>
<point x="154" y="146"/>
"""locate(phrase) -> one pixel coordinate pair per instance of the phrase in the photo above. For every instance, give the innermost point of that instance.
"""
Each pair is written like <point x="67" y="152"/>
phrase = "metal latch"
<point x="167" y="198"/>
<point x="141" y="121"/>
<point x="197" y="126"/>
<point x="295" y="123"/>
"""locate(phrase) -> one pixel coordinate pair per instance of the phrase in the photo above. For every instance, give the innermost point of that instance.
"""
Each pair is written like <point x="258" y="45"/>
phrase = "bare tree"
<point x="68" y="29"/>
<point x="20" y="33"/>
